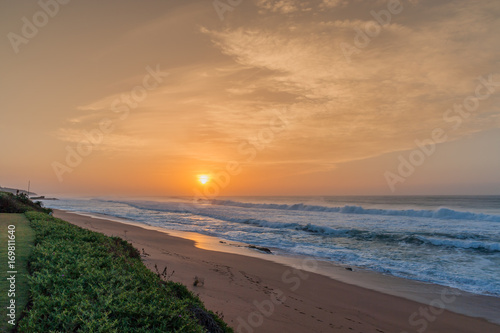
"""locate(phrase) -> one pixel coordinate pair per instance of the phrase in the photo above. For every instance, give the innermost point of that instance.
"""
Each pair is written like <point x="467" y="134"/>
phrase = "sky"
<point x="284" y="97"/>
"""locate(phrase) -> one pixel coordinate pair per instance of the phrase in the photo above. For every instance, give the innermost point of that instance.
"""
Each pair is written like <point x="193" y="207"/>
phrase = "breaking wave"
<point x="441" y="213"/>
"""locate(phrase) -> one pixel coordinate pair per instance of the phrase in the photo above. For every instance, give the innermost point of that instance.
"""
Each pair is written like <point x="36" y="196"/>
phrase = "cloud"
<point x="328" y="4"/>
<point x="283" y="6"/>
<point x="287" y="56"/>
<point x="294" y="6"/>
<point x="396" y="89"/>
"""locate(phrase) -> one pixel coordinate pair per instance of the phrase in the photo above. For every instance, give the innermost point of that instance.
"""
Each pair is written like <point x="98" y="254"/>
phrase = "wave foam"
<point x="469" y="241"/>
<point x="462" y="244"/>
<point x="441" y="213"/>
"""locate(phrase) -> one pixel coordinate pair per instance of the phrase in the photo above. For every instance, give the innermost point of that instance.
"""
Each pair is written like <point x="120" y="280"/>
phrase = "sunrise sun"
<point x="203" y="178"/>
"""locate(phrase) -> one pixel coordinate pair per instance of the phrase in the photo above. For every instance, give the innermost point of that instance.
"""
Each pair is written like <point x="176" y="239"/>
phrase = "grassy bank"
<point x="77" y="280"/>
<point x="10" y="203"/>
<point x="24" y="237"/>
<point x="82" y="281"/>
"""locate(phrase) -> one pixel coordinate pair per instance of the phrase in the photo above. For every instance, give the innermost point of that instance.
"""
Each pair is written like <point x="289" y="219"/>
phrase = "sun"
<point x="203" y="179"/>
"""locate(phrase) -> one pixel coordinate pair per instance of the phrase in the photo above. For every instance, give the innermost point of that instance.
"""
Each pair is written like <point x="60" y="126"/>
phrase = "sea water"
<point x="447" y="240"/>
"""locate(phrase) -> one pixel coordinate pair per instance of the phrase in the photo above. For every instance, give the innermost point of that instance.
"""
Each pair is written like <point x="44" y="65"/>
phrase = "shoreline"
<point x="469" y="304"/>
<point x="249" y="279"/>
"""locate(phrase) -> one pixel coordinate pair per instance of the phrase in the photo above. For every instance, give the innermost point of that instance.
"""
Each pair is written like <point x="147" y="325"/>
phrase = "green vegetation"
<point x="82" y="281"/>
<point x="24" y="237"/>
<point x="10" y="203"/>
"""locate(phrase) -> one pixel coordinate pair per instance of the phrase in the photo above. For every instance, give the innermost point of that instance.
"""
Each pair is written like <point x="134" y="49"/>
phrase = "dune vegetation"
<point x="83" y="281"/>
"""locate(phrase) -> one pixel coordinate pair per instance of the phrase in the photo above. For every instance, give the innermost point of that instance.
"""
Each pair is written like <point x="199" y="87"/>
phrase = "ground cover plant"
<point x="83" y="281"/>
<point x="21" y="238"/>
<point x="10" y="203"/>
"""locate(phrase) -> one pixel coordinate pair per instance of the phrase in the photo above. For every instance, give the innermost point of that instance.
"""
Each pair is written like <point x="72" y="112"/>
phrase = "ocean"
<point x="452" y="241"/>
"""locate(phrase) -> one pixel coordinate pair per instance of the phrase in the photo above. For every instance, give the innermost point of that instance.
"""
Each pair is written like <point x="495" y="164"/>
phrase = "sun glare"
<point x="203" y="179"/>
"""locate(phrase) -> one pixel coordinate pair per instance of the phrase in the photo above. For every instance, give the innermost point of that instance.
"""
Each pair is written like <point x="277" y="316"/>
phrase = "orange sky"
<point x="269" y="97"/>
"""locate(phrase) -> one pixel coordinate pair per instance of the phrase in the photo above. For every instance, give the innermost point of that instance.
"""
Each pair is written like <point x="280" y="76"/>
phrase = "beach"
<point x="257" y="295"/>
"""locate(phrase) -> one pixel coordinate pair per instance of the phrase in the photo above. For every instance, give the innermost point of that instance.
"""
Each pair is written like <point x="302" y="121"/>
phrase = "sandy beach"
<point x="257" y="295"/>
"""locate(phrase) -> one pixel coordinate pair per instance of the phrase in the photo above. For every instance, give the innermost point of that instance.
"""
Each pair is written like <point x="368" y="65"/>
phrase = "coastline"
<point x="256" y="293"/>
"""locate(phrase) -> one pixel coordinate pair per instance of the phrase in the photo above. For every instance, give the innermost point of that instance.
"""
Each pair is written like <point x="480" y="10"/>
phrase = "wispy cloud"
<point x="286" y="54"/>
<point x="396" y="89"/>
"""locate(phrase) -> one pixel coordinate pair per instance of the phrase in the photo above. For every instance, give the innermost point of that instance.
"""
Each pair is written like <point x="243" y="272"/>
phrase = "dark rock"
<point x="263" y="249"/>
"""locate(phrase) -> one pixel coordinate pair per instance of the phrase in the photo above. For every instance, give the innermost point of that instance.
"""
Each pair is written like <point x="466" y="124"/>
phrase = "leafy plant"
<point x="10" y="203"/>
<point x="164" y="275"/>
<point x="82" y="281"/>
<point x="198" y="281"/>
